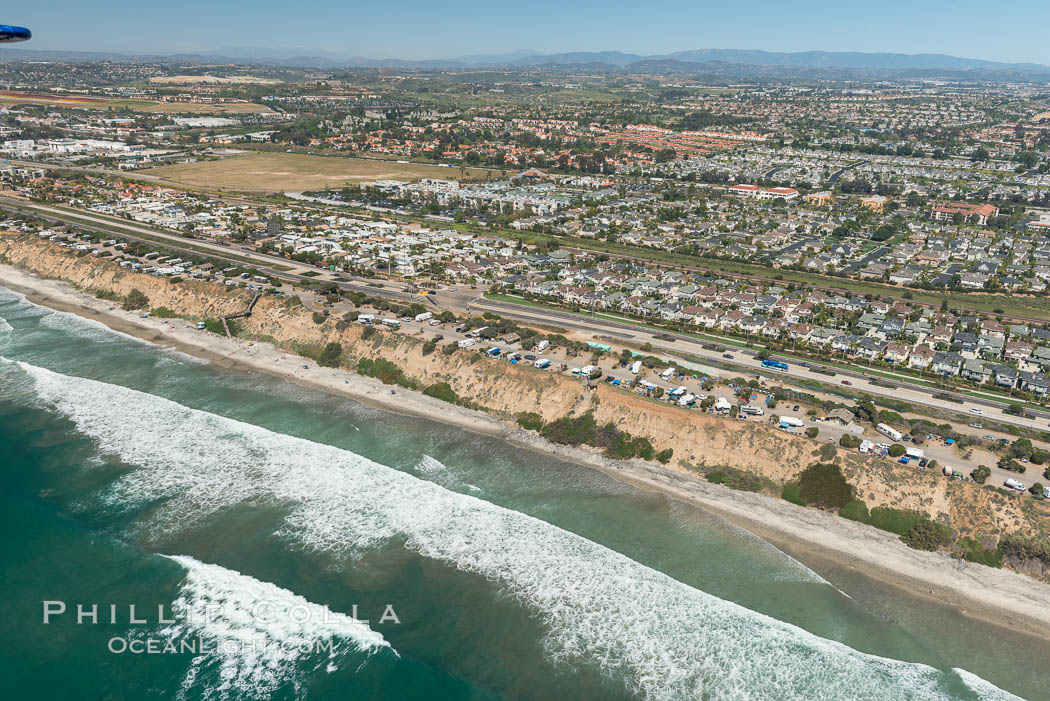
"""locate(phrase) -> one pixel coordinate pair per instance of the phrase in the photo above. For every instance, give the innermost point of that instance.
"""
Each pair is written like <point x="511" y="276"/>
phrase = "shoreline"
<point x="1000" y="597"/>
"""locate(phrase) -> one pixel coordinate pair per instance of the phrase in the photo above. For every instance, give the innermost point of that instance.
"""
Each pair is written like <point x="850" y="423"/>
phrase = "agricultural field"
<point x="298" y="172"/>
<point x="8" y="97"/>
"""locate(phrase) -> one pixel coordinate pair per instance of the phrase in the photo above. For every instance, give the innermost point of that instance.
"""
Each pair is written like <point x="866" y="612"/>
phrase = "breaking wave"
<point x="664" y="638"/>
<point x="428" y="465"/>
<point x="90" y="329"/>
<point x="259" y="636"/>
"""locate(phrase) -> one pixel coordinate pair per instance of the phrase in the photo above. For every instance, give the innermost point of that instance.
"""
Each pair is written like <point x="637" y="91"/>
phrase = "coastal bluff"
<point x="701" y="442"/>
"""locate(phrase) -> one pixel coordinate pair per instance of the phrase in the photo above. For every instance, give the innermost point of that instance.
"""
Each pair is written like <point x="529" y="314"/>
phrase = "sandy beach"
<point x="999" y="596"/>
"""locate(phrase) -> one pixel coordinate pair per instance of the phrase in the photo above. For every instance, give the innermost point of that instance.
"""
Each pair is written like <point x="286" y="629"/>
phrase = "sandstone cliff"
<point x="698" y="439"/>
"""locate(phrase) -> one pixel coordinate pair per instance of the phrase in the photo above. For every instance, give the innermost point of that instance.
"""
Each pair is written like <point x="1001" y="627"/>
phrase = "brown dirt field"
<point x="98" y="103"/>
<point x="297" y="172"/>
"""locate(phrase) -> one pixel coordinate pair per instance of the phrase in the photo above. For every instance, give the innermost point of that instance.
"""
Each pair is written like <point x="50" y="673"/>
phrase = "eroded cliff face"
<point x="698" y="439"/>
<point x="96" y="275"/>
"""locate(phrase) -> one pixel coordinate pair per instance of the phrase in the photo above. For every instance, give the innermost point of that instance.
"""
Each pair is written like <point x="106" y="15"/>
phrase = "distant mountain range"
<point x="714" y="61"/>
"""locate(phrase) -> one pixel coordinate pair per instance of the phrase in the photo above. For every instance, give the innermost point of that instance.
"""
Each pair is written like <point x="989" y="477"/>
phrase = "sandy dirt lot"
<point x="294" y="171"/>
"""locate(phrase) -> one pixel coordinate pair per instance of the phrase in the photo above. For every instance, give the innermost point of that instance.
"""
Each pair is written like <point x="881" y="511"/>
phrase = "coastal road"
<point x="464" y="300"/>
<point x="859" y="381"/>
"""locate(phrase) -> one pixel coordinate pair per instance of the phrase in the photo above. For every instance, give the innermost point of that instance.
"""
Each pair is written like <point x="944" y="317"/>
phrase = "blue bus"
<point x="774" y="365"/>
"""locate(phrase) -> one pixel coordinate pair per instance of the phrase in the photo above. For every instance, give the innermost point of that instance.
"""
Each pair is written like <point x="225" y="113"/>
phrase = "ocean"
<point x="278" y="542"/>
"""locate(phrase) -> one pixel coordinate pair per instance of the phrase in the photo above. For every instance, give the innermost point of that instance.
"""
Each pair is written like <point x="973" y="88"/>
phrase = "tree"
<point x="849" y="441"/>
<point x="896" y="450"/>
<point x="822" y="484"/>
<point x="812" y="432"/>
<point x="980" y="474"/>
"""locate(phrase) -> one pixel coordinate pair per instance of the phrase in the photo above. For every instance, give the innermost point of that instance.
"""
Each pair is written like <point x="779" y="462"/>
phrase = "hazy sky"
<point x="1008" y="30"/>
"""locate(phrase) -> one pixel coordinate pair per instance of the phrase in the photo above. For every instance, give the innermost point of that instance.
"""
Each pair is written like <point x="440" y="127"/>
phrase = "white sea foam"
<point x="82" y="327"/>
<point x="666" y="639"/>
<point x="175" y="354"/>
<point x="983" y="688"/>
<point x="4" y="326"/>
<point x="260" y="637"/>
<point x="21" y="305"/>
<point x="428" y="465"/>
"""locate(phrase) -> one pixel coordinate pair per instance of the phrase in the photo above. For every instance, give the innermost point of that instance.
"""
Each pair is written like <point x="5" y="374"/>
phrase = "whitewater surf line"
<point x="259" y="636"/>
<point x="664" y="638"/>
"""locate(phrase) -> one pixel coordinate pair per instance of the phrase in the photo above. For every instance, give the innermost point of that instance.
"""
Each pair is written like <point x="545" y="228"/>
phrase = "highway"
<point x="471" y="300"/>
<point x="746" y="358"/>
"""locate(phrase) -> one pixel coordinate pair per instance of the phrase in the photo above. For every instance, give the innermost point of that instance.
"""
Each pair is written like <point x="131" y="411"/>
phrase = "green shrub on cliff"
<point x="973" y="550"/>
<point x="1020" y="549"/>
<point x="928" y="535"/>
<point x="790" y="492"/>
<point x="329" y="356"/>
<point x="822" y="484"/>
<point x="530" y="421"/>
<point x="899" y="521"/>
<point x="855" y="510"/>
<point x="442" y="391"/>
<point x="733" y="478"/>
<point x="383" y="370"/>
<point x="135" y="299"/>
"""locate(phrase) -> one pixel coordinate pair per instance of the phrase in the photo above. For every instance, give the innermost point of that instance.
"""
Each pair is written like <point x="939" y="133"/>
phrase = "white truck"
<point x="636" y="367"/>
<point x="392" y="323"/>
<point x="914" y="453"/>
<point x="542" y="345"/>
<point x="791" y="422"/>
<point x="667" y="374"/>
<point x="542" y="363"/>
<point x="466" y="343"/>
<point x="687" y="400"/>
<point x="866" y="446"/>
<point x="889" y="432"/>
<point x="1014" y="484"/>
<point x="424" y="316"/>
<point x="366" y="318"/>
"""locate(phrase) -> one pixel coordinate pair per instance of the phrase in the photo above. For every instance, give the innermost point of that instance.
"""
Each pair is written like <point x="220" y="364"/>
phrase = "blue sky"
<point x="1008" y="30"/>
